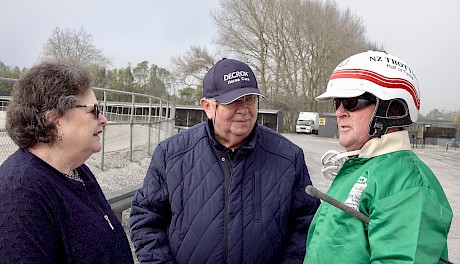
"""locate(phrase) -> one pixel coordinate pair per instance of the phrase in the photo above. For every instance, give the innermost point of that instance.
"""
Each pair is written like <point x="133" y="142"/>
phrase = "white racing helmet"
<point x="386" y="77"/>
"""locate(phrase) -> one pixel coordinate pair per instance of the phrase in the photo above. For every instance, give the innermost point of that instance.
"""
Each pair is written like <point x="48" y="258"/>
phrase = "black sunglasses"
<point x="95" y="111"/>
<point x="352" y="104"/>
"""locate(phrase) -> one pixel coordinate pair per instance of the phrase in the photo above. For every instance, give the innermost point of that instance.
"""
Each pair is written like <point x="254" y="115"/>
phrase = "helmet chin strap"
<point x="381" y="121"/>
<point x="333" y="160"/>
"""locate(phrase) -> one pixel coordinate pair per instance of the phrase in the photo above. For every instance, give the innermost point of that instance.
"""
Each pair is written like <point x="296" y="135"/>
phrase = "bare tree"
<point x="65" y="44"/>
<point x="292" y="45"/>
<point x="242" y="31"/>
<point x="194" y="63"/>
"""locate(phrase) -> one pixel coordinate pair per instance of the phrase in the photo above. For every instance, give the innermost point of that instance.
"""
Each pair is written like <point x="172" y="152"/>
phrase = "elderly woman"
<point x="52" y="209"/>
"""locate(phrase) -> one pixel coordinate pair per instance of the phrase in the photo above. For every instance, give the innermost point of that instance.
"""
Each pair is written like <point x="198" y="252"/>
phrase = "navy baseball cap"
<point x="228" y="80"/>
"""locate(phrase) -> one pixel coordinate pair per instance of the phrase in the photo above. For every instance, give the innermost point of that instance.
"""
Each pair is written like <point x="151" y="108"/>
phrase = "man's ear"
<point x="207" y="107"/>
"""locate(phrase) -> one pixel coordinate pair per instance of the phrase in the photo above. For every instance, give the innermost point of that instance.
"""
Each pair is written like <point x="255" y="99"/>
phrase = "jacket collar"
<point x="387" y="143"/>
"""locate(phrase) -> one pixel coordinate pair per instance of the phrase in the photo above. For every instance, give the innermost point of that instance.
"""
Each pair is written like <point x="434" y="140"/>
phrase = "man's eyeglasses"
<point x="352" y="104"/>
<point x="247" y="99"/>
<point x="95" y="111"/>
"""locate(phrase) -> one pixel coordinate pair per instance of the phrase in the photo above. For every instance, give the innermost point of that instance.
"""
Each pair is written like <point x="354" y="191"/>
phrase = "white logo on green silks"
<point x="355" y="194"/>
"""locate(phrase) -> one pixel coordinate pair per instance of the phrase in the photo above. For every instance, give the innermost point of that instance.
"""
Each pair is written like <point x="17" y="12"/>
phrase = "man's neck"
<point x="231" y="142"/>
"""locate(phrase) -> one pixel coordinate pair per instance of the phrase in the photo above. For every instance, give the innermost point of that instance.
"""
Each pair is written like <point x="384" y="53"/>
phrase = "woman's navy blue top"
<point x="48" y="218"/>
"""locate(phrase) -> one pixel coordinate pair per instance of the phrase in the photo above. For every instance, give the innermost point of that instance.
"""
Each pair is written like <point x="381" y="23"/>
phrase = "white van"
<point x="308" y="122"/>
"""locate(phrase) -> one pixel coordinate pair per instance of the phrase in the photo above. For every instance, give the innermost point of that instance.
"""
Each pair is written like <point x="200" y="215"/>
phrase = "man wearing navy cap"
<point x="227" y="190"/>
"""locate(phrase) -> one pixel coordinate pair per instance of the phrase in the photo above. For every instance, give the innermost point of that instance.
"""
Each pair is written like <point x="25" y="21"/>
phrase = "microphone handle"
<point x="312" y="191"/>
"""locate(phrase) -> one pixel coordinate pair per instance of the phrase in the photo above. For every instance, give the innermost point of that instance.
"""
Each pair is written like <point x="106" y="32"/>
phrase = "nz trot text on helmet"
<point x="395" y="64"/>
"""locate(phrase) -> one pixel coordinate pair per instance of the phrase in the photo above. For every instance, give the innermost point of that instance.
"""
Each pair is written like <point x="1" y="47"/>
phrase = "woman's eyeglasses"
<point x="95" y="111"/>
<point x="352" y="104"/>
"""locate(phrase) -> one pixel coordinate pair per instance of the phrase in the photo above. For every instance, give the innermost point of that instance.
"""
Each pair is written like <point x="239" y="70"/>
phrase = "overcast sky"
<point x="423" y="33"/>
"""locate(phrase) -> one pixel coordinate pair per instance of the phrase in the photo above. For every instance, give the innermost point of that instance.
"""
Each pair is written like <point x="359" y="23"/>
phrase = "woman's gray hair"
<point x="53" y="87"/>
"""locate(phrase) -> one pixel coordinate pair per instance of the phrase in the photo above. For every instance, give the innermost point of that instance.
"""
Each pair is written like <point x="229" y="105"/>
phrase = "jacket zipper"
<point x="99" y="210"/>
<point x="106" y="217"/>
<point x="103" y="214"/>
<point x="227" y="181"/>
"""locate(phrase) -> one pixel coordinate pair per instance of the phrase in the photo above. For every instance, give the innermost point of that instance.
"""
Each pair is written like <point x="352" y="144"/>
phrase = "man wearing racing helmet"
<point x="375" y="96"/>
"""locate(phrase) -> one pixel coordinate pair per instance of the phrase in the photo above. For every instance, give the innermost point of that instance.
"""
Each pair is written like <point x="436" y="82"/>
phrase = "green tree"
<point x="187" y="96"/>
<point x="151" y="80"/>
<point x="434" y="114"/>
<point x="9" y="72"/>
<point x="100" y="78"/>
<point x="126" y="79"/>
<point x="120" y="79"/>
<point x="141" y="76"/>
<point x="198" y="94"/>
<point x="157" y="81"/>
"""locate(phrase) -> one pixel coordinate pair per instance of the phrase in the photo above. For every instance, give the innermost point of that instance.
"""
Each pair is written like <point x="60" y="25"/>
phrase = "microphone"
<point x="312" y="191"/>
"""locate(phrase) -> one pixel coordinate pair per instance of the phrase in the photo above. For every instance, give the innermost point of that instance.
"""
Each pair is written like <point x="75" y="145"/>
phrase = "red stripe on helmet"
<point x="379" y="80"/>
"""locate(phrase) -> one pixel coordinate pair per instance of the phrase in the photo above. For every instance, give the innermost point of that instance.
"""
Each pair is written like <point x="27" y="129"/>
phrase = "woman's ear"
<point x="52" y="116"/>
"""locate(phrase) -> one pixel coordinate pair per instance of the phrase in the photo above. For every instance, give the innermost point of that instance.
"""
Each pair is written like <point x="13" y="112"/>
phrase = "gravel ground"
<point x="120" y="172"/>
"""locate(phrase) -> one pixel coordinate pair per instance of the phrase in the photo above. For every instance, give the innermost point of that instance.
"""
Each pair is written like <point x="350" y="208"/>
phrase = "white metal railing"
<point x="125" y="130"/>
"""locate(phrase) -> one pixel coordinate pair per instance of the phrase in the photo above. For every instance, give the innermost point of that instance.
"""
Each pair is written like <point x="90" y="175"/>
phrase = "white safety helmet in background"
<point x="386" y="77"/>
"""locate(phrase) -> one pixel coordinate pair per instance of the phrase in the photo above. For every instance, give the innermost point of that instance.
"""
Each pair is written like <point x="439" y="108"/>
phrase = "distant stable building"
<point x="434" y="132"/>
<point x="190" y="115"/>
<point x="185" y="115"/>
<point x="328" y="125"/>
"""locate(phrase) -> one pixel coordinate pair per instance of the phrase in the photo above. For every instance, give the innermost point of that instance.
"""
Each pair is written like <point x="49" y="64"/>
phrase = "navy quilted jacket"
<point x="188" y="211"/>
